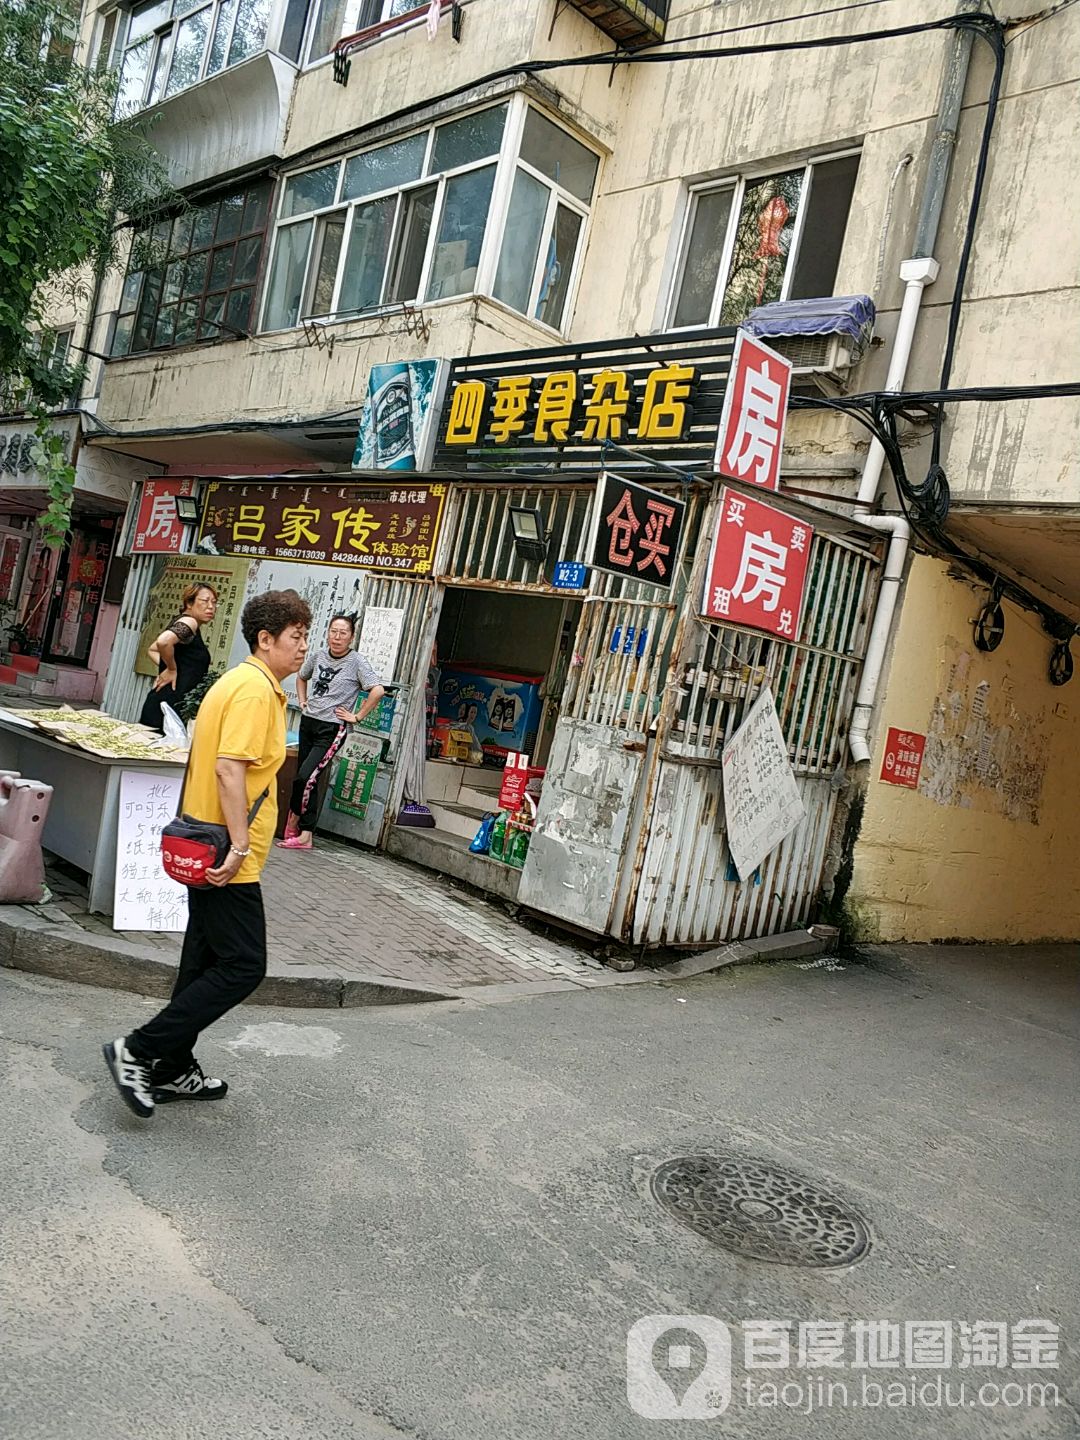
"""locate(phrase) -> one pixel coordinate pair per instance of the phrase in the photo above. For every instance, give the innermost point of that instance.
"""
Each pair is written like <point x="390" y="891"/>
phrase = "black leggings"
<point x="320" y="741"/>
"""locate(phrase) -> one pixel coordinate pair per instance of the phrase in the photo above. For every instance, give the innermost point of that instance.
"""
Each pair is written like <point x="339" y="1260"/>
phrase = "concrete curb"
<point x="66" y="952"/>
<point x="793" y="945"/>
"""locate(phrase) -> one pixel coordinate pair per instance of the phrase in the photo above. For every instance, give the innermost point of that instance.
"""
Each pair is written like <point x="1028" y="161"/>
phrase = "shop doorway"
<point x="77" y="591"/>
<point x="503" y="662"/>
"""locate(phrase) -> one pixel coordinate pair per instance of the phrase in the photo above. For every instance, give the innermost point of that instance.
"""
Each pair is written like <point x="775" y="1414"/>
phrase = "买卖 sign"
<point x="757" y="570"/>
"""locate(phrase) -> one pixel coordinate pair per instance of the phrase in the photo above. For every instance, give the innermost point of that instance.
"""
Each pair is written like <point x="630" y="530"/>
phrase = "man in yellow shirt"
<point x="236" y="752"/>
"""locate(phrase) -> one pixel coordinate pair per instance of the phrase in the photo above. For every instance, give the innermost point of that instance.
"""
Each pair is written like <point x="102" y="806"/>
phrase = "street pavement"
<point x="345" y="913"/>
<point x="436" y="1222"/>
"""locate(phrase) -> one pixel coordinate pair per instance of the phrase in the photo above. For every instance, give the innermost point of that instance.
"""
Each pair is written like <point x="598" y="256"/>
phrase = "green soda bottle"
<point x="498" y="837"/>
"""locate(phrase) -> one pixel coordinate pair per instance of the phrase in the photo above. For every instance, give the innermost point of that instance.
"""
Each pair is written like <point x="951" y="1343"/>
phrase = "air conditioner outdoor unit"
<point x="829" y="357"/>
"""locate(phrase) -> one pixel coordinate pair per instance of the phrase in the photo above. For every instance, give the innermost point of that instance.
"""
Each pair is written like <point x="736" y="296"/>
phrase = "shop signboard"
<point x="228" y="578"/>
<point x="751" y="435"/>
<point x="391" y="528"/>
<point x="902" y="762"/>
<point x="762" y="805"/>
<point x="145" y="897"/>
<point x="398" y="422"/>
<point x="157" y="530"/>
<point x="354" y="776"/>
<point x="659" y="395"/>
<point x="758" y="566"/>
<point x="636" y="532"/>
<point x="560" y="406"/>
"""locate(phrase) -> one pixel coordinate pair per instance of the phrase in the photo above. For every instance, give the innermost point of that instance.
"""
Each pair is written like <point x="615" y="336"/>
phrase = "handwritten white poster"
<point x="145" y="898"/>
<point x="761" y="800"/>
<point x="380" y="639"/>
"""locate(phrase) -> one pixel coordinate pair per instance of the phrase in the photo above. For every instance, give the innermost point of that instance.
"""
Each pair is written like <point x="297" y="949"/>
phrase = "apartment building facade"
<point x="377" y="183"/>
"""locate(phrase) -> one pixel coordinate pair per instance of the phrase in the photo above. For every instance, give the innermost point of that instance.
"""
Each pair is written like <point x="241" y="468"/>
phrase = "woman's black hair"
<point x="350" y="620"/>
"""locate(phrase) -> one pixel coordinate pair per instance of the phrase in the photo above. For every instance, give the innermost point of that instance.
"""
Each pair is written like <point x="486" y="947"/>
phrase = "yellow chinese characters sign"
<point x="385" y="528"/>
<point x="567" y="406"/>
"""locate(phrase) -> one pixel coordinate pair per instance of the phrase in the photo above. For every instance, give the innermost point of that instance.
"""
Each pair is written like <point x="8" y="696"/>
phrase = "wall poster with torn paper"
<point x="984" y="751"/>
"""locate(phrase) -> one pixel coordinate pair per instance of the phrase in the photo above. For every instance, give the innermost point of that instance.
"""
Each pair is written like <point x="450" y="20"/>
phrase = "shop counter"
<point x="83" y="815"/>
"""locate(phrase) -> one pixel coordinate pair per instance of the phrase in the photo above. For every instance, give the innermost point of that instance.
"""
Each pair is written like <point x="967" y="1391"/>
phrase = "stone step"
<point x="456" y="819"/>
<point x="447" y="853"/>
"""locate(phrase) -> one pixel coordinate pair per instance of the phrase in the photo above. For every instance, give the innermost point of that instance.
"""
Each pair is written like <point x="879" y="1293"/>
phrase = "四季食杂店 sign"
<point x="565" y="406"/>
<point x="392" y="527"/>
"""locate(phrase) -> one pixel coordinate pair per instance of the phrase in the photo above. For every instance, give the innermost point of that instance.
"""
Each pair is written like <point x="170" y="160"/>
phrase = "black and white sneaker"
<point x="193" y="1084"/>
<point x="131" y="1077"/>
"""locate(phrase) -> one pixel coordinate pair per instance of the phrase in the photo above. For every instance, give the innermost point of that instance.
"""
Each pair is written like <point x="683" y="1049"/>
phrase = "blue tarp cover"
<point x="833" y="315"/>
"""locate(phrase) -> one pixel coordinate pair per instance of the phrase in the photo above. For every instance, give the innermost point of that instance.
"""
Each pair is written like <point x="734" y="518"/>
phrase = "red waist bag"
<point x="189" y="847"/>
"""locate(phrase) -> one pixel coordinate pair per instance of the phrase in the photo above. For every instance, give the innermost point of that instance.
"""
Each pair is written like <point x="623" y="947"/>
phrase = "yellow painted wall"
<point x="986" y="847"/>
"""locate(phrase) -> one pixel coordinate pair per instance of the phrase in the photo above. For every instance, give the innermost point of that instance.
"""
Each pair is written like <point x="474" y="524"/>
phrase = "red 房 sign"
<point x="757" y="570"/>
<point x="515" y="778"/>
<point x="157" y="530"/>
<point x="903" y="757"/>
<point x="755" y="409"/>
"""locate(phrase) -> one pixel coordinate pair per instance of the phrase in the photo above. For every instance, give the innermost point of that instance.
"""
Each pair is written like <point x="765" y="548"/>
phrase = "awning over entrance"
<point x="322" y="443"/>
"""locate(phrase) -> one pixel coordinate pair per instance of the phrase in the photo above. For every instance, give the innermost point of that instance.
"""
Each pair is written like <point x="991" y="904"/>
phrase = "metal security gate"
<point x="684" y="890"/>
<point x="630" y="837"/>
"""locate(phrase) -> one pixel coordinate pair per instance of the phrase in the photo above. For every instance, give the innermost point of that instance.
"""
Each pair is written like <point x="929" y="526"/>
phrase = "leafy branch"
<point x="70" y="178"/>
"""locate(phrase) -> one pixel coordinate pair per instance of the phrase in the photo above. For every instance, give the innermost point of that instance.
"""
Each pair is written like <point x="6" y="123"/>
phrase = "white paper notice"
<point x="761" y="799"/>
<point x="146" y="899"/>
<point x="380" y="639"/>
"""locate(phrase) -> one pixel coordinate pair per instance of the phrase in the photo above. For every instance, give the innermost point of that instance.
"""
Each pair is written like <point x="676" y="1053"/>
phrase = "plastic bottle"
<point x="519" y="832"/>
<point x="498" y="837"/>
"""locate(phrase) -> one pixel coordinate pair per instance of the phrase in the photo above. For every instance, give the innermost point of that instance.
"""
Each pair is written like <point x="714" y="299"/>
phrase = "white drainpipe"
<point x="916" y="274"/>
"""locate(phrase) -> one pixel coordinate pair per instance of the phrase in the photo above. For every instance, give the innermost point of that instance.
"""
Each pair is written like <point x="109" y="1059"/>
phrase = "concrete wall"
<point x="282" y="376"/>
<point x="985" y="847"/>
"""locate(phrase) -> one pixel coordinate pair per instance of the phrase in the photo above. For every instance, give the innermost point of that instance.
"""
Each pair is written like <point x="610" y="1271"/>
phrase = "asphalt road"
<point x="436" y="1221"/>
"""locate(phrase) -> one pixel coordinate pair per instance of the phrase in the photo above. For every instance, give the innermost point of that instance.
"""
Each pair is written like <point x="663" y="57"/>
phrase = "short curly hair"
<point x="274" y="611"/>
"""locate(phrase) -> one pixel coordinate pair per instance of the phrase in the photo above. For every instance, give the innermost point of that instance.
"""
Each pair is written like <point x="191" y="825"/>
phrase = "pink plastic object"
<point x="24" y="805"/>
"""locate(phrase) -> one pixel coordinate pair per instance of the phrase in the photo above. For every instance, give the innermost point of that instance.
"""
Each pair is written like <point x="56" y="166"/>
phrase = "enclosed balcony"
<point x="210" y="81"/>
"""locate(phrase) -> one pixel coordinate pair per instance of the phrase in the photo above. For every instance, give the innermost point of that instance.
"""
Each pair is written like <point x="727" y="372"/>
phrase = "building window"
<point x="170" y="45"/>
<point x="193" y="277"/>
<point x="426" y="217"/>
<point x="335" y="18"/>
<point x="750" y="241"/>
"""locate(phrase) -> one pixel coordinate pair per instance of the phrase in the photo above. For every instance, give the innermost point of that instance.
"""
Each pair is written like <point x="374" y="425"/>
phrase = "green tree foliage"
<point x="69" y="177"/>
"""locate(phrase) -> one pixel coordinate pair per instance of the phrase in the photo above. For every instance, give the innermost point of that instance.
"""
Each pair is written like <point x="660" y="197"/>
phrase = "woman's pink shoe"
<point x="292" y="827"/>
<point x="295" y="843"/>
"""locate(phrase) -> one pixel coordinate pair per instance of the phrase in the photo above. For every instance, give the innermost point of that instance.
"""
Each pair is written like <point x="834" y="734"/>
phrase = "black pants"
<point x="222" y="962"/>
<point x="319" y="742"/>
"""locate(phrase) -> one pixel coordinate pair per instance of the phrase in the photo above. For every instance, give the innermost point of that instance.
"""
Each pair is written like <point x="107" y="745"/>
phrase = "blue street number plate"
<point x="570" y="575"/>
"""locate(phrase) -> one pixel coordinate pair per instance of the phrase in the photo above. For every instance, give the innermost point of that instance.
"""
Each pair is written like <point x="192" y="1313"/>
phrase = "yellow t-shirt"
<point x="241" y="718"/>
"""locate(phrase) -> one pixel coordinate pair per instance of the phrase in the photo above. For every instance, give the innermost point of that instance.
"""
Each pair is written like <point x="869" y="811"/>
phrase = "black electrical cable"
<point x="780" y="20"/>
<point x="964" y="21"/>
<point x="877" y="411"/>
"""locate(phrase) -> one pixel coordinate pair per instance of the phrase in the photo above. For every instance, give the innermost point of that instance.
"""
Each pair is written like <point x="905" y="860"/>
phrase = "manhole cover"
<point x="759" y="1210"/>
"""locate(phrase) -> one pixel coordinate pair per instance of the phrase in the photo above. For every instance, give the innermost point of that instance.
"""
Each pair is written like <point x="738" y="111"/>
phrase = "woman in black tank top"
<point x="181" y="654"/>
